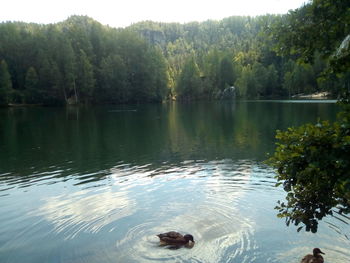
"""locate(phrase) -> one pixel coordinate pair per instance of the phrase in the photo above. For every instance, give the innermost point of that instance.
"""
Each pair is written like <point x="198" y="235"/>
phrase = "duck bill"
<point x="190" y="244"/>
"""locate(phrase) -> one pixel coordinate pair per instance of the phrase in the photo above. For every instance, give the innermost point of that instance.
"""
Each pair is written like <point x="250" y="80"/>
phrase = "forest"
<point x="80" y="61"/>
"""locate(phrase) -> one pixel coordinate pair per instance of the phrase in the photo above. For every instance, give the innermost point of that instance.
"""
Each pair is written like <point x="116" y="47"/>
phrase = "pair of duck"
<point x="176" y="240"/>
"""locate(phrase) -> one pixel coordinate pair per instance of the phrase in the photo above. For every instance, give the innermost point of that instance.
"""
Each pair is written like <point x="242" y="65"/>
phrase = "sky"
<point x="121" y="13"/>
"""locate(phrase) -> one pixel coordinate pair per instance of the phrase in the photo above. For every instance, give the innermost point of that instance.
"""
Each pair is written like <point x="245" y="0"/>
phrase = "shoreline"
<point x="318" y="95"/>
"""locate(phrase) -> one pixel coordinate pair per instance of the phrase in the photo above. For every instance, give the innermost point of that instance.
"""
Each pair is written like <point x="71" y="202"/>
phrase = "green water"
<point x="97" y="184"/>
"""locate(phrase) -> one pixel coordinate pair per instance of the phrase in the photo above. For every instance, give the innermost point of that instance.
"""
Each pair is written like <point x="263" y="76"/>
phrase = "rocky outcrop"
<point x="228" y="93"/>
<point x="344" y="48"/>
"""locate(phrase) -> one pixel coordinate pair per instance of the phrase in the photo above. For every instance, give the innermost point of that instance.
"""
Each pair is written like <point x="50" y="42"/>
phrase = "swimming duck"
<point x="176" y="240"/>
<point x="315" y="258"/>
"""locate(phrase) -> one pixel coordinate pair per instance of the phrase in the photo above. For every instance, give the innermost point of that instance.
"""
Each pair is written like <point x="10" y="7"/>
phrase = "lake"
<point x="97" y="184"/>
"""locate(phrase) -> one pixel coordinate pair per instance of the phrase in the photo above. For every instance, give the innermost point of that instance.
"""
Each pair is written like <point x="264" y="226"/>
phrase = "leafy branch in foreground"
<point x="313" y="164"/>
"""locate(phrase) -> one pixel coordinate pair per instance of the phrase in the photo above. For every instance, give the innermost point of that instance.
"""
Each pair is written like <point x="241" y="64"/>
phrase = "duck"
<point x="176" y="240"/>
<point x="314" y="258"/>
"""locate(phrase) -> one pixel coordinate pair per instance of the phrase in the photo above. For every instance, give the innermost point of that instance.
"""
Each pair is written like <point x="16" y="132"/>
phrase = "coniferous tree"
<point x="68" y="61"/>
<point x="189" y="83"/>
<point x="31" y="86"/>
<point x="85" y="78"/>
<point x="272" y="82"/>
<point x="114" y="80"/>
<point x="5" y="83"/>
<point x="226" y="73"/>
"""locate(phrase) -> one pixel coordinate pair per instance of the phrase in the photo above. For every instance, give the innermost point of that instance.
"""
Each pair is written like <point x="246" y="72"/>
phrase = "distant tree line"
<point x="245" y="52"/>
<point x="81" y="61"/>
<point x="78" y="61"/>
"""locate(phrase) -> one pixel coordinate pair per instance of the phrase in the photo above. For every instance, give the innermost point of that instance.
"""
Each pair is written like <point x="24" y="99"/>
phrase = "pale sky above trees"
<point x="121" y="13"/>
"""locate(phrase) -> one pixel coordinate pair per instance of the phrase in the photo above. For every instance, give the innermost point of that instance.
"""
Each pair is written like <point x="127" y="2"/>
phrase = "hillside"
<point x="82" y="61"/>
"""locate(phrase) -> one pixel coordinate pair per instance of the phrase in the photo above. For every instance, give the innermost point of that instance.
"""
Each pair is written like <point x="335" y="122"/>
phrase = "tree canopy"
<point x="313" y="164"/>
<point x="312" y="161"/>
<point x="320" y="25"/>
<point x="78" y="61"/>
<point x="5" y="83"/>
<point x="81" y="61"/>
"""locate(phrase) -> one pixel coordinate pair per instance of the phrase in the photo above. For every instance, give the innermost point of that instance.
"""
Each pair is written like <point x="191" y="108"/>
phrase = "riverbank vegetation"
<point x="81" y="61"/>
<point x="312" y="161"/>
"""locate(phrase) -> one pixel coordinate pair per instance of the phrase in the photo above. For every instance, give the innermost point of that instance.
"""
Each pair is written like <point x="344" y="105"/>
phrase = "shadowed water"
<point x="97" y="185"/>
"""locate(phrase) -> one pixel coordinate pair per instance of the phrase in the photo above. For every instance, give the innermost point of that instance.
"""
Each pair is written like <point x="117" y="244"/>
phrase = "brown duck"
<point x="314" y="258"/>
<point x="176" y="240"/>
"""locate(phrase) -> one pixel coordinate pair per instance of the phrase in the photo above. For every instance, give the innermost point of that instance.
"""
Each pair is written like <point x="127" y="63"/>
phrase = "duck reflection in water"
<point x="315" y="258"/>
<point x="175" y="240"/>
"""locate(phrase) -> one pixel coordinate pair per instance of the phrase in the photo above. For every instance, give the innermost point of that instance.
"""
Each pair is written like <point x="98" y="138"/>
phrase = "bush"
<point x="313" y="164"/>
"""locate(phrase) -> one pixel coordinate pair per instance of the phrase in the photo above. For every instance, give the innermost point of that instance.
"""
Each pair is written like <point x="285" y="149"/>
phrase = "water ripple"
<point x="226" y="205"/>
<point x="85" y="211"/>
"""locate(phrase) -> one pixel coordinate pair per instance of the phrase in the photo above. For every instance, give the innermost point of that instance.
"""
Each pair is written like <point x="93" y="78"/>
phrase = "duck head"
<point x="317" y="251"/>
<point x="188" y="238"/>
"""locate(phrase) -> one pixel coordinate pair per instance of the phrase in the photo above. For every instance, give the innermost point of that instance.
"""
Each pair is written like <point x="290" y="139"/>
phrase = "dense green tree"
<point x="260" y="80"/>
<point x="85" y="80"/>
<point x="313" y="164"/>
<point x="31" y="86"/>
<point x="318" y="25"/>
<point x="289" y="83"/>
<point x="226" y="77"/>
<point x="114" y="80"/>
<point x="54" y="94"/>
<point x="246" y="83"/>
<point x="5" y="83"/>
<point x="272" y="83"/>
<point x="300" y="79"/>
<point x="189" y="84"/>
<point x="211" y="72"/>
<point x="68" y="63"/>
<point x="160" y="78"/>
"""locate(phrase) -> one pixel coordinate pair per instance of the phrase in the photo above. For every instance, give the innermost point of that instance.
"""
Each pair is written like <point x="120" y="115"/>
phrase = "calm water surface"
<point x="96" y="185"/>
